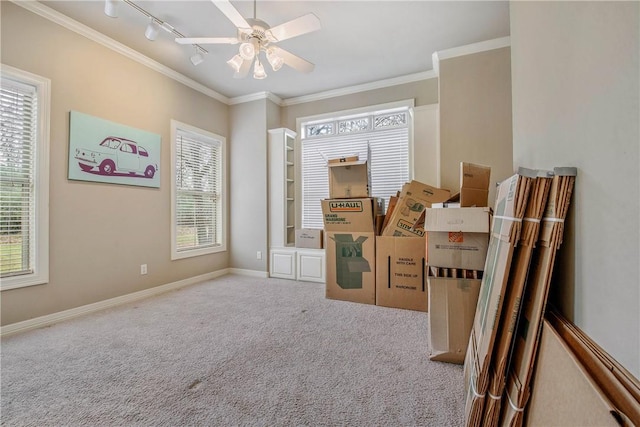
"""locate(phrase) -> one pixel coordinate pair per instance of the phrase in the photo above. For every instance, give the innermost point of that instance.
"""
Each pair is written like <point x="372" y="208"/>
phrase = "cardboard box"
<point x="349" y="179"/>
<point x="564" y="392"/>
<point x="458" y="237"/>
<point x="400" y="279"/>
<point x="350" y="272"/>
<point x="534" y="301"/>
<point x="414" y="198"/>
<point x="309" y="238"/>
<point x="452" y="306"/>
<point x="510" y="205"/>
<point x="350" y="249"/>
<point x="474" y="185"/>
<point x="350" y="215"/>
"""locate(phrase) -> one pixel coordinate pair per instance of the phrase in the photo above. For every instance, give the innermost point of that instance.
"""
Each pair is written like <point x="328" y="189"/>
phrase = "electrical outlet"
<point x="259" y="255"/>
<point x="143" y="268"/>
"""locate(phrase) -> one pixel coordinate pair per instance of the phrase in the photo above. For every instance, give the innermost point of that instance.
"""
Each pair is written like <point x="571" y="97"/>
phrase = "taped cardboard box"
<point x="400" y="278"/>
<point x="458" y="237"/>
<point x="310" y="238"/>
<point x="350" y="249"/>
<point x="349" y="179"/>
<point x="564" y="393"/>
<point x="452" y="306"/>
<point x="474" y="185"/>
<point x="414" y="198"/>
<point x="510" y="205"/>
<point x="534" y="301"/>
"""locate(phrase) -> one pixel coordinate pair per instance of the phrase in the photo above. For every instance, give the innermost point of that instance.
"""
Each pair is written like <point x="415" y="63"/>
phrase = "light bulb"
<point x="235" y="63"/>
<point x="275" y="60"/>
<point x="247" y="50"/>
<point x="258" y="71"/>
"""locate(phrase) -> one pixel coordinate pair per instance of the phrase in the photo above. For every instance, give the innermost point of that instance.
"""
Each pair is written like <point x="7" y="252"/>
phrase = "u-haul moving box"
<point x="400" y="280"/>
<point x="350" y="249"/>
<point x="414" y="198"/>
<point x="349" y="179"/>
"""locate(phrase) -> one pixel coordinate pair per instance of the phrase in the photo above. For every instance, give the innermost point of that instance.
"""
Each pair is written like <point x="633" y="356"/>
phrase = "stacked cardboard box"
<point x="535" y="296"/>
<point x="401" y="249"/>
<point x="510" y="206"/>
<point x="515" y="288"/>
<point x="457" y="240"/>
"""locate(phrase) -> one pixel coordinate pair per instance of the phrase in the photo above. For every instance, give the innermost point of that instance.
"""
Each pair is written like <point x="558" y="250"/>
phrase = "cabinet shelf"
<point x="282" y="161"/>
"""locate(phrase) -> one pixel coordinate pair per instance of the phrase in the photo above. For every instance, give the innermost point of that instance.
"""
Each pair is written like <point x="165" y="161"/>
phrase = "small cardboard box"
<point x="310" y="238"/>
<point x="349" y="179"/>
<point x="474" y="185"/>
<point x="452" y="307"/>
<point x="458" y="237"/>
<point x="400" y="281"/>
<point x="350" y="272"/>
<point x="414" y="198"/>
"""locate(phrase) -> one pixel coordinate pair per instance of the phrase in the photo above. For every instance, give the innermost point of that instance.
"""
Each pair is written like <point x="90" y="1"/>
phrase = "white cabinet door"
<point x="311" y="266"/>
<point x="283" y="263"/>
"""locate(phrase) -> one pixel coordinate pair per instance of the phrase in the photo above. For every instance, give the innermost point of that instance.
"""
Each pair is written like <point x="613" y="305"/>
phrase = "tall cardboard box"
<point x="458" y="237"/>
<point x="350" y="249"/>
<point x="414" y="198"/>
<point x="349" y="179"/>
<point x="400" y="279"/>
<point x="452" y="307"/>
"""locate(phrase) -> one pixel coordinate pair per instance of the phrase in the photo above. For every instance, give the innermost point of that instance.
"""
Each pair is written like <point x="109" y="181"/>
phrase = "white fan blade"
<point x="296" y="27"/>
<point x="294" y="61"/>
<point x="244" y="69"/>
<point x="232" y="13"/>
<point x="207" y="40"/>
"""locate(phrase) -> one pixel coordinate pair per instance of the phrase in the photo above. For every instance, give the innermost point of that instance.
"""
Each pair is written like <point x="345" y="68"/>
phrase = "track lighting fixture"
<point x="111" y="8"/>
<point x="154" y="26"/>
<point x="151" y="33"/>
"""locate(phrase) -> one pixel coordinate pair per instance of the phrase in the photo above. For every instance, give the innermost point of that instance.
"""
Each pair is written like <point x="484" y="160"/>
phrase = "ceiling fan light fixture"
<point x="235" y="62"/>
<point x="248" y="49"/>
<point x="258" y="71"/>
<point x="111" y="8"/>
<point x="274" y="59"/>
<point x="151" y="33"/>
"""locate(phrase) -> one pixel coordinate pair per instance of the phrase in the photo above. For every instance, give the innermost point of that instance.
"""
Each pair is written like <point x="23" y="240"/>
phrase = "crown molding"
<point x="256" y="97"/>
<point x="468" y="50"/>
<point x="360" y="88"/>
<point x="75" y="26"/>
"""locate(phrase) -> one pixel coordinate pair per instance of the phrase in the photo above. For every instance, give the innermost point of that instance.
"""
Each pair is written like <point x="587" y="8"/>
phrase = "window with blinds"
<point x="198" y="204"/>
<point x="382" y="138"/>
<point x="23" y="179"/>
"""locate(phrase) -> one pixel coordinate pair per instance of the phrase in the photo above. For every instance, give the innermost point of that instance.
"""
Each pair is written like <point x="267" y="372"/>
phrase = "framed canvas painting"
<point x="103" y="151"/>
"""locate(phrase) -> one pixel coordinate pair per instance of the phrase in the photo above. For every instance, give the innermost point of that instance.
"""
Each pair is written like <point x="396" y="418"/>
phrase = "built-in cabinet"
<point x="285" y="260"/>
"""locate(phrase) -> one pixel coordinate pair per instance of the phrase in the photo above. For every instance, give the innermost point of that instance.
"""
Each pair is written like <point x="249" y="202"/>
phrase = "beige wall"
<point x="100" y="234"/>
<point x="576" y="103"/>
<point x="475" y="116"/>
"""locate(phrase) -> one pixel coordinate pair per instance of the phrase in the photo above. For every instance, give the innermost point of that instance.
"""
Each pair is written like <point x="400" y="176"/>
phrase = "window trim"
<point x="40" y="274"/>
<point x="175" y="254"/>
<point x="326" y="117"/>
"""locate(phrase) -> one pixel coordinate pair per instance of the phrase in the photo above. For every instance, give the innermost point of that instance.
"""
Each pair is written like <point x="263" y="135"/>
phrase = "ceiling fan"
<point x="255" y="36"/>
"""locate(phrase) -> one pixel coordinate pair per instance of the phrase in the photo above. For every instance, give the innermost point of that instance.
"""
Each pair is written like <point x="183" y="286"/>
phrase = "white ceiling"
<point x="360" y="41"/>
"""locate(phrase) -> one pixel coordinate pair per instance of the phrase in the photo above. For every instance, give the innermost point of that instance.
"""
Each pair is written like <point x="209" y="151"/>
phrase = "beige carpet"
<point x="232" y="351"/>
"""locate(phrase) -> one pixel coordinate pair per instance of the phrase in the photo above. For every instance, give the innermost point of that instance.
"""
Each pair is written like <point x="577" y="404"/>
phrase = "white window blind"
<point x="18" y="109"/>
<point x="387" y="146"/>
<point x="198" y="202"/>
<point x="24" y="178"/>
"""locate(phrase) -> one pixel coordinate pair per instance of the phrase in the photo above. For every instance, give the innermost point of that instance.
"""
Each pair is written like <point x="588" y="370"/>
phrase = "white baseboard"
<point x="251" y="273"/>
<point x="50" y="319"/>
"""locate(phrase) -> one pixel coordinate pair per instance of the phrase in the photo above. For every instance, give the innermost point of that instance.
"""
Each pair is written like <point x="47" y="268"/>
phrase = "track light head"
<point x="111" y="8"/>
<point x="152" y="30"/>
